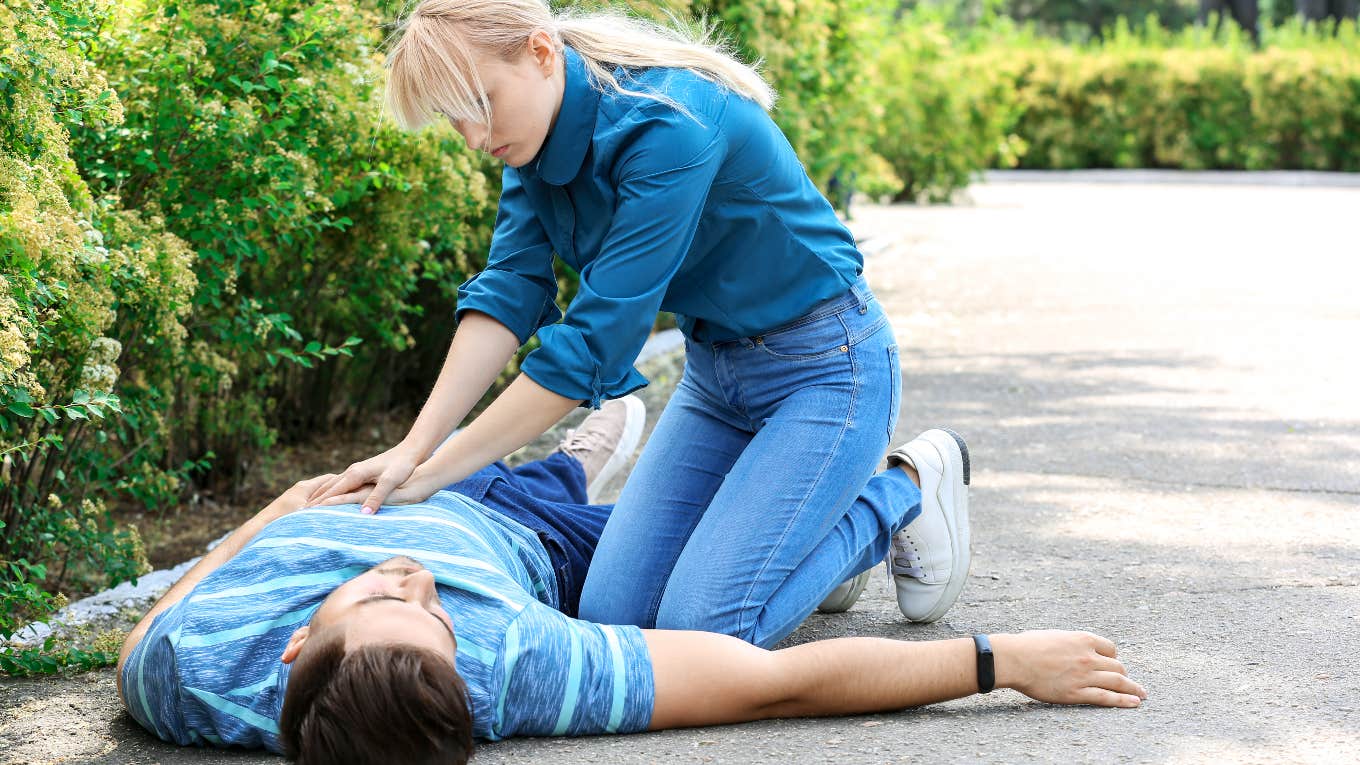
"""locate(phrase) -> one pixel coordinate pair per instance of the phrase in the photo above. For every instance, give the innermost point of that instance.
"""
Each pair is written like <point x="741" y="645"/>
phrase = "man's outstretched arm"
<point x="706" y="679"/>
<point x="291" y="500"/>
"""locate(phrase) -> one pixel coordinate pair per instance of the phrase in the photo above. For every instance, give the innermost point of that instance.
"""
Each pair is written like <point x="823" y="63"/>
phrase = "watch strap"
<point x="986" y="669"/>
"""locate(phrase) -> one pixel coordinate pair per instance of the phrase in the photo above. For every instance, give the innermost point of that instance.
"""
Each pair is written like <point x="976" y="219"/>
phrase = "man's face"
<point x="393" y="602"/>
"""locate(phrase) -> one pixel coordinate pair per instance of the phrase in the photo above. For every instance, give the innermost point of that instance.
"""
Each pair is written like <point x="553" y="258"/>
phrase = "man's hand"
<point x="296" y="498"/>
<point x="1063" y="667"/>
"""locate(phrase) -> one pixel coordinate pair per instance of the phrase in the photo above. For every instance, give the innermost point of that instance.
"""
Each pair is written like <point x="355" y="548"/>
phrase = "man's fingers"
<point x="320" y="491"/>
<point x="353" y="497"/>
<point x="346" y="483"/>
<point x="1106" y="698"/>
<point x="1110" y="665"/>
<point x="1104" y="646"/>
<point x="351" y="479"/>
<point x="310" y="485"/>
<point x="1118" y="683"/>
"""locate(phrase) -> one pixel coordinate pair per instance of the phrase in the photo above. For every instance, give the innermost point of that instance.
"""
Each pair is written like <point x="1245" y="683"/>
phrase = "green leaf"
<point x="21" y="409"/>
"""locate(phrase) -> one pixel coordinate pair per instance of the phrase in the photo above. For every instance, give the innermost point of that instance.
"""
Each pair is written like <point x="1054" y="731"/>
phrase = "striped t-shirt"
<point x="208" y="671"/>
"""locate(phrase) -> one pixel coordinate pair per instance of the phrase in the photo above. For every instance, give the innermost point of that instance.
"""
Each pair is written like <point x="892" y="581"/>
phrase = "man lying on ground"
<point x="336" y="637"/>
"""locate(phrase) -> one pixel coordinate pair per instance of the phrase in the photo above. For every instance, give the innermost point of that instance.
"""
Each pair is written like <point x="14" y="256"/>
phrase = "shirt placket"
<point x="564" y="214"/>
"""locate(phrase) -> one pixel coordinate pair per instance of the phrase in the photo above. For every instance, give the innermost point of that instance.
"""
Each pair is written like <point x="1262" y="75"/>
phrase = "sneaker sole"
<point x="633" y="424"/>
<point x="956" y="516"/>
<point x="842" y="604"/>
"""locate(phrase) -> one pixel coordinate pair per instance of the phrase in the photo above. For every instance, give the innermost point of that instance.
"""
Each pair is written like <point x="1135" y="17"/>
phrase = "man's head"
<point x="373" y="678"/>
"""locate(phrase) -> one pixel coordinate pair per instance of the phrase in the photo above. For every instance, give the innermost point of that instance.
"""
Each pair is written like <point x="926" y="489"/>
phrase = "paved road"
<point x="1161" y="388"/>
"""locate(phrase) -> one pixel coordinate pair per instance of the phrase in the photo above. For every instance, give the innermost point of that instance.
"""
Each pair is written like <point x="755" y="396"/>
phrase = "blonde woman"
<point x="648" y="162"/>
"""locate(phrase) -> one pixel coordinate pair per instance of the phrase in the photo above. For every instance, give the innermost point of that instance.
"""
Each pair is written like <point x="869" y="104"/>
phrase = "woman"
<point x="649" y="164"/>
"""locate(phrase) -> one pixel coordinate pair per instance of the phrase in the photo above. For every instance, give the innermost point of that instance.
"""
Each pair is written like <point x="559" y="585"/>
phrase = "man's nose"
<point x="419" y="583"/>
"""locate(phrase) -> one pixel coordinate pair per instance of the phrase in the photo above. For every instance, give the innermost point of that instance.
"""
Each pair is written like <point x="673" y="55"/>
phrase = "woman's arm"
<point x="522" y="412"/>
<point x="706" y="679"/>
<point x="481" y="348"/>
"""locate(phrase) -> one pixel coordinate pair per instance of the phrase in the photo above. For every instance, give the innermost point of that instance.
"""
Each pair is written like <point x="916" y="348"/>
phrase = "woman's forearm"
<point x="523" y="412"/>
<point x="480" y="349"/>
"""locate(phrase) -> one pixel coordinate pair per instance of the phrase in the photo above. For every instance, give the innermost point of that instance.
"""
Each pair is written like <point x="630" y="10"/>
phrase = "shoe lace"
<point x="584" y="441"/>
<point x="906" y="563"/>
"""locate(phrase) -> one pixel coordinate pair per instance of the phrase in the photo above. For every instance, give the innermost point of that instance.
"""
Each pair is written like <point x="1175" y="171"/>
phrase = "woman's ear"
<point x="543" y="52"/>
<point x="294" y="647"/>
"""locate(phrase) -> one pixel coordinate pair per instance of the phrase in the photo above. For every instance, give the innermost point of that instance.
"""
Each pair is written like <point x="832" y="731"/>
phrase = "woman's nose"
<point x="474" y="134"/>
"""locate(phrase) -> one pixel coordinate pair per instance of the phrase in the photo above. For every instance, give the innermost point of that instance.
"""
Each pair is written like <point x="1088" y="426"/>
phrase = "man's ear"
<point x="295" y="642"/>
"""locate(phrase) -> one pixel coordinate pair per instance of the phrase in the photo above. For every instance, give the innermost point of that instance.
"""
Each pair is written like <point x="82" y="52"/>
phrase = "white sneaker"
<point x="605" y="440"/>
<point x="929" y="559"/>
<point x="845" y="594"/>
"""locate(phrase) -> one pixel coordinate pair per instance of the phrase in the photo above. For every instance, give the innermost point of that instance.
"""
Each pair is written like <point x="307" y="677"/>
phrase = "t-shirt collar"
<point x="565" y="149"/>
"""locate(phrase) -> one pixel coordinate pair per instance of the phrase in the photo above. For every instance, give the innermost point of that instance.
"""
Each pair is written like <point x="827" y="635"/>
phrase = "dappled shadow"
<point x="1120" y="414"/>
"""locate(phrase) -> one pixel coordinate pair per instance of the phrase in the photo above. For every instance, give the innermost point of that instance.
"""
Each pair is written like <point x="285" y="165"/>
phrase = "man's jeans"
<point x="752" y="499"/>
<point x="548" y="497"/>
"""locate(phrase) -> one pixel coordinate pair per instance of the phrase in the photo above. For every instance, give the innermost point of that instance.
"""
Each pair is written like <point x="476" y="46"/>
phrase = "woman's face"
<point x="524" y="97"/>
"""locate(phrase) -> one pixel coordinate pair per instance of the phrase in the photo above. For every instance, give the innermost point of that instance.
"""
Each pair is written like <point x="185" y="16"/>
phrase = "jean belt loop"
<point x="862" y="295"/>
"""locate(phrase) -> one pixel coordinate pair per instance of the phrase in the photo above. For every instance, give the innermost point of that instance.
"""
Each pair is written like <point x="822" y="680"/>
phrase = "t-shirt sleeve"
<point x="665" y="168"/>
<point x="151" y="682"/>
<point x="566" y="677"/>
<point x="518" y="287"/>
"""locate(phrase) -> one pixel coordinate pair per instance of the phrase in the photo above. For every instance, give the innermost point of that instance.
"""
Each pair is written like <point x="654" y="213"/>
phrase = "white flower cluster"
<point x="100" y="372"/>
<point x="94" y="252"/>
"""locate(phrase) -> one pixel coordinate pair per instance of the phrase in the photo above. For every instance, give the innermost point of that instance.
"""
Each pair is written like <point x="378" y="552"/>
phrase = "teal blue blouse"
<point x="708" y="215"/>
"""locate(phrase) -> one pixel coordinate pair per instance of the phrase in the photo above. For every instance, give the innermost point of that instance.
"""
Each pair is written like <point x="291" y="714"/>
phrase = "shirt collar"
<point x="565" y="149"/>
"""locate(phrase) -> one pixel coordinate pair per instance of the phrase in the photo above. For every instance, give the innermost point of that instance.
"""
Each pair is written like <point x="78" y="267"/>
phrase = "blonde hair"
<point x="432" y="66"/>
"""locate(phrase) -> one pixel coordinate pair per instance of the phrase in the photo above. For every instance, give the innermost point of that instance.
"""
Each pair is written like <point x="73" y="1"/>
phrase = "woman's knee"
<point x="695" y="613"/>
<point x="614" y="604"/>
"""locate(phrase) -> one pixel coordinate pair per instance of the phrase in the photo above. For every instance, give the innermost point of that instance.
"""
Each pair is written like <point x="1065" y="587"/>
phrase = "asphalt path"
<point x="1160" y="386"/>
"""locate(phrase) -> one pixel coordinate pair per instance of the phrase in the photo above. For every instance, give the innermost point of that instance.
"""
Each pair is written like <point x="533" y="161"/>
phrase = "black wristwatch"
<point x="986" y="671"/>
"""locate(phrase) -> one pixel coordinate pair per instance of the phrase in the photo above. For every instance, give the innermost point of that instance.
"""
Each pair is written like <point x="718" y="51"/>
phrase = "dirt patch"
<point x="183" y="533"/>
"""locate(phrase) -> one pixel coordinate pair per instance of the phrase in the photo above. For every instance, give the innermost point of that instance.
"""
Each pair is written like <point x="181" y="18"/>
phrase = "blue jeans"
<point x="752" y="499"/>
<point x="548" y="497"/>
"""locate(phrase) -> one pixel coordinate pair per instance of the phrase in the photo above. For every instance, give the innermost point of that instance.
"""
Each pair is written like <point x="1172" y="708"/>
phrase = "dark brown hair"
<point x="379" y="704"/>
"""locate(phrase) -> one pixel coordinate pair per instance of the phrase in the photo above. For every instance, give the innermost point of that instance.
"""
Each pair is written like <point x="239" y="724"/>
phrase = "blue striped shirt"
<point x="208" y="670"/>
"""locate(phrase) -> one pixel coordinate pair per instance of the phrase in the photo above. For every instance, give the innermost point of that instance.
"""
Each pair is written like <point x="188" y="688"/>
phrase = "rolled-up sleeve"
<point x="666" y="166"/>
<point x="517" y="288"/>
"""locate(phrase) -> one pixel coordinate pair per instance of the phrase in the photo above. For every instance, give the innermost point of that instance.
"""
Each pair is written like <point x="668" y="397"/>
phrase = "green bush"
<point x="946" y="118"/>
<point x="91" y="307"/>
<point x="1184" y="101"/>
<point x="1000" y="95"/>
<point x="254" y="130"/>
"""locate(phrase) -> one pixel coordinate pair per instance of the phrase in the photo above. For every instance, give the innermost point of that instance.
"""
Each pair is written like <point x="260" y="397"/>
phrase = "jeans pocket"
<point x="819" y="338"/>
<point x="894" y="389"/>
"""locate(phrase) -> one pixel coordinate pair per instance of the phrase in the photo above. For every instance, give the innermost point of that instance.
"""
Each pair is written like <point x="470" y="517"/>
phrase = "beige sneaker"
<point x="604" y="441"/>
